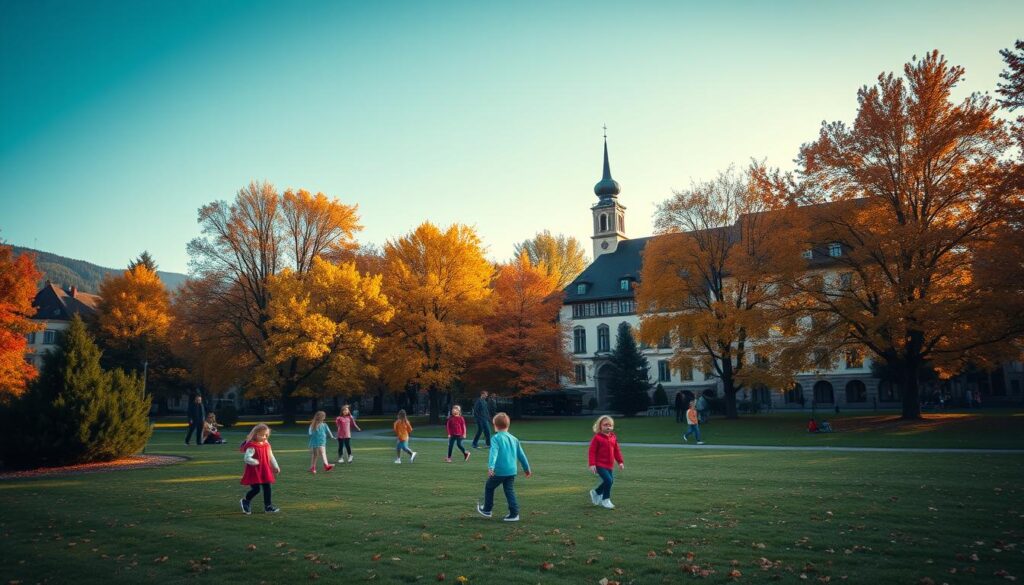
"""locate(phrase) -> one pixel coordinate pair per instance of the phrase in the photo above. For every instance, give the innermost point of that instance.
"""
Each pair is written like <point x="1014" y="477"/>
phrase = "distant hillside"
<point x="84" y="275"/>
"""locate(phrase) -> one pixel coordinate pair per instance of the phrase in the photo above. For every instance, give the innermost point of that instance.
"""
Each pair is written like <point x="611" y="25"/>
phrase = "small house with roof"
<point x="55" y="308"/>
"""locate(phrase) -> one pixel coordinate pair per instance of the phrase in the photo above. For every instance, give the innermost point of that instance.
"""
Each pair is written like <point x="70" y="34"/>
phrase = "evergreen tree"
<point x="660" y="396"/>
<point x="629" y="385"/>
<point x="144" y="259"/>
<point x="76" y="412"/>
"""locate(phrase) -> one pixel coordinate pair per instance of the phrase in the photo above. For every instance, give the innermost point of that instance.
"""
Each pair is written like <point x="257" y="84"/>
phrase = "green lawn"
<point x="853" y="517"/>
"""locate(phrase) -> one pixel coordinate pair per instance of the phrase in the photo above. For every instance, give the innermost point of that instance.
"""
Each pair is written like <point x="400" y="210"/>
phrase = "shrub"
<point x="76" y="412"/>
<point x="227" y="415"/>
<point x="660" y="397"/>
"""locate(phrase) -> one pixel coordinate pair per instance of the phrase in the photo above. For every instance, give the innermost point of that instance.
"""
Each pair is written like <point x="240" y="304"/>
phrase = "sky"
<point x="119" y="120"/>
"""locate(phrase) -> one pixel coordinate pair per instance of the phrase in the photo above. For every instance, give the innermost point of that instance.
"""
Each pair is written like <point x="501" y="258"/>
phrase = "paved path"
<point x="386" y="434"/>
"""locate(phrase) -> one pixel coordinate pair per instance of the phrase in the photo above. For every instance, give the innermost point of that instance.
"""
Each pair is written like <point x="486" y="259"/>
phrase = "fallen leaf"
<point x="546" y="566"/>
<point x="651" y="554"/>
<point x="440" y="577"/>
<point x="250" y="547"/>
<point x="375" y="557"/>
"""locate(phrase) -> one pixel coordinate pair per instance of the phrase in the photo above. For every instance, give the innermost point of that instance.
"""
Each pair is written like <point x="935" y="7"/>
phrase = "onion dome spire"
<point x="607" y="187"/>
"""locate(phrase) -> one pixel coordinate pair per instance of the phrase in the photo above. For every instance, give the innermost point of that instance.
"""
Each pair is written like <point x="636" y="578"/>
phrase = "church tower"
<point x="609" y="214"/>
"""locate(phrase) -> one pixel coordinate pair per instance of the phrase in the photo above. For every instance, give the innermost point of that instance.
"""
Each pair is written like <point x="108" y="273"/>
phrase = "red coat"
<point x="604" y="450"/>
<point x="262" y="473"/>
<point x="456" y="426"/>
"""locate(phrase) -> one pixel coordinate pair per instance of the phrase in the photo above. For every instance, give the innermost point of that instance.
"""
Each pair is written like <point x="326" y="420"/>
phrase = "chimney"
<point x="74" y="291"/>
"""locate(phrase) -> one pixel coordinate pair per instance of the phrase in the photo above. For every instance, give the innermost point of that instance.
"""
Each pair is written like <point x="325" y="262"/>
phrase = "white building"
<point x="55" y="307"/>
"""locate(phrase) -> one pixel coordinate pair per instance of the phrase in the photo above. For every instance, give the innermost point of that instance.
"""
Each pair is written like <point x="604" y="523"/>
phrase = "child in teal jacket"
<point x="502" y="467"/>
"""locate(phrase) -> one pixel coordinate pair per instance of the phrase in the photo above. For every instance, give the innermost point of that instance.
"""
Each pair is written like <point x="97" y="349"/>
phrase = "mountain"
<point x="86" y="276"/>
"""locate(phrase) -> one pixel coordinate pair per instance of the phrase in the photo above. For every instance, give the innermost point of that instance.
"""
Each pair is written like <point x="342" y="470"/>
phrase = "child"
<point x="825" y="427"/>
<point x="812" y="427"/>
<point x="402" y="430"/>
<point x="345" y="422"/>
<point x="694" y="428"/>
<point x="502" y="469"/>
<point x="456" y="426"/>
<point x="604" y="453"/>
<point x="211" y="436"/>
<point x="260" y="467"/>
<point x="318" y="433"/>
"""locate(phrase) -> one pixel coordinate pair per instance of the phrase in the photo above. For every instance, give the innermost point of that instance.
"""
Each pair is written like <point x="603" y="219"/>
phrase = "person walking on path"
<point x="604" y="454"/>
<point x="260" y="468"/>
<point x="456" y="427"/>
<point x="482" y="416"/>
<point x="403" y="428"/>
<point x="702" y="409"/>
<point x="344" y="423"/>
<point x="196" y="420"/>
<point x="502" y="469"/>
<point x="680" y="408"/>
<point x="693" y="421"/>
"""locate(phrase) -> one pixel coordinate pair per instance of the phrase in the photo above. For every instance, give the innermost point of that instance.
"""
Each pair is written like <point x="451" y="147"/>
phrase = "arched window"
<point x="579" y="340"/>
<point x="856" y="391"/>
<point x="604" y="222"/>
<point x="603" y="338"/>
<point x="795" y="395"/>
<point x="823" y="393"/>
<point x="622" y="223"/>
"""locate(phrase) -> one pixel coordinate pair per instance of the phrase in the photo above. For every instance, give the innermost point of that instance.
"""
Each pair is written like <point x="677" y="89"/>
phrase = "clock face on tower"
<point x="604" y="245"/>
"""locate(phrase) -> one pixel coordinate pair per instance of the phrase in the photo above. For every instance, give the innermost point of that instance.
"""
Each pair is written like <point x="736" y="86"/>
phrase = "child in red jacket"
<point x="604" y="453"/>
<point x="456" y="426"/>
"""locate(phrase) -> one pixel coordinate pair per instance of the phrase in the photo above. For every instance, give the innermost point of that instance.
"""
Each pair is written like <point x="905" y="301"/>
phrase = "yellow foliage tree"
<point x="438" y="281"/>
<point x="712" y="282"/>
<point x="134" y="309"/>
<point x="322" y="328"/>
<point x="562" y="256"/>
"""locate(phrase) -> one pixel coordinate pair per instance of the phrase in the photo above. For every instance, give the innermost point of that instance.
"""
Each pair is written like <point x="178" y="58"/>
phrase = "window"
<point x="685" y="342"/>
<point x="665" y="342"/>
<point x="854" y="359"/>
<point x="581" y="289"/>
<point x="846" y="280"/>
<point x="579" y="340"/>
<point x="627" y="307"/>
<point x="709" y="372"/>
<point x="31" y="337"/>
<point x="622" y="223"/>
<point x="604" y="308"/>
<point x="795" y="395"/>
<point x="687" y="374"/>
<point x="604" y="222"/>
<point x="50" y="336"/>
<point x="603" y="338"/>
<point x="807" y="254"/>
<point x="823" y="393"/>
<point x="760" y="360"/>
<point x="664" y="372"/>
<point x="581" y="374"/>
<point x="623" y="284"/>
<point x="856" y="391"/>
<point x="835" y="249"/>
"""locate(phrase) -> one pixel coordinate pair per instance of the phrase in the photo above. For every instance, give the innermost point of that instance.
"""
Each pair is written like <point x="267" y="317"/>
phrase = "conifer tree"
<point x="629" y="385"/>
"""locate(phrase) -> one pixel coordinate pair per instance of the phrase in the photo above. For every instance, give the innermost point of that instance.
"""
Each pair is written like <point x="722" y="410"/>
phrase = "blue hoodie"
<point x="505" y="449"/>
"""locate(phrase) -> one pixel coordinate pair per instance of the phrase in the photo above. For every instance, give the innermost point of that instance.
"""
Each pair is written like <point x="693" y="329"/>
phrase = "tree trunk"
<point x="288" y="406"/>
<point x="517" y="408"/>
<point x="435" y="409"/>
<point x="911" y="392"/>
<point x="729" y="386"/>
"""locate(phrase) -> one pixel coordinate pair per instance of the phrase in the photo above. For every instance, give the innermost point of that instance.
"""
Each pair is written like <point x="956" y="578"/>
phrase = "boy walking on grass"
<point x="502" y="468"/>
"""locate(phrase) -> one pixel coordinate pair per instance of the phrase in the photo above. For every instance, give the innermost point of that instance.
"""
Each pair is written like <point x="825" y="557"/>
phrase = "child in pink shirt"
<point x="345" y="422"/>
<point x="456" y="427"/>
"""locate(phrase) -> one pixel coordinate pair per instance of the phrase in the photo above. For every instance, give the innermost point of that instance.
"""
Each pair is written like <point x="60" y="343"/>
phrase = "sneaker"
<point x="465" y="456"/>
<point x="271" y="509"/>
<point x="511" y="518"/>
<point x="398" y="461"/>
<point x="594" y="498"/>
<point x="312" y="470"/>
<point x="328" y="467"/>
<point x="700" y="442"/>
<point x="246" y="508"/>
<point x="350" y="457"/>
<point x="447" y="459"/>
<point x="342" y="460"/>
<point x="412" y="457"/>
<point x="607" y="504"/>
<point x="474" y="446"/>
<point x="685" y="440"/>
<point x="480" y="510"/>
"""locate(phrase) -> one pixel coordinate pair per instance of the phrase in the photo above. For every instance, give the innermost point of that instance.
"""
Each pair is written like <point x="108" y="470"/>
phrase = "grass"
<point x="853" y="517"/>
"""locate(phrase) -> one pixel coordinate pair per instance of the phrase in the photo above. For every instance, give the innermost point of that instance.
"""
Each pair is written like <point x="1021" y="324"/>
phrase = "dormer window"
<point x="835" y="249"/>
<point x="807" y="254"/>
<point x="623" y="284"/>
<point x="581" y="288"/>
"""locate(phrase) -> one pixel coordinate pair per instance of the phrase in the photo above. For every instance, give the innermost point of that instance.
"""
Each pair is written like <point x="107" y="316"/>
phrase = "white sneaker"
<point x="700" y="442"/>
<point x="350" y="457"/>
<point x="412" y="457"/>
<point x="398" y="461"/>
<point x="594" y="498"/>
<point x="607" y="504"/>
<point x="342" y="460"/>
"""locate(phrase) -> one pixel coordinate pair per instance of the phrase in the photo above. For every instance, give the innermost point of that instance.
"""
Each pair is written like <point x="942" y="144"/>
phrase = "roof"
<point x="604" y="273"/>
<point x="53" y="303"/>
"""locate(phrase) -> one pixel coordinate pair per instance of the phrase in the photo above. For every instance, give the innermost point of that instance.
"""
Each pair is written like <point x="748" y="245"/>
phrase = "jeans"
<point x="255" y="489"/>
<point x="344" y="444"/>
<point x="402" y="446"/>
<point x="693" y="430"/>
<point x="507" y="482"/>
<point x="607" y="479"/>
<point x="455" y="441"/>
<point x="198" y="428"/>
<point x="482" y="426"/>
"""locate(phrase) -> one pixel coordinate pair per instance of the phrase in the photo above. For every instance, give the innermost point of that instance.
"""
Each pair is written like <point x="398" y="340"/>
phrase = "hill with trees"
<point x="86" y="276"/>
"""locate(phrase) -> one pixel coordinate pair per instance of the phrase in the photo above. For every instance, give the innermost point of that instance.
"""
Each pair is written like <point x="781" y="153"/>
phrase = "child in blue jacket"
<point x="502" y="469"/>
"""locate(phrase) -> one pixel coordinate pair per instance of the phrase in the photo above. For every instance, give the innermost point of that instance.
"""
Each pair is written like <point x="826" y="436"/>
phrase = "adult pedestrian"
<point x="482" y="416"/>
<point x="680" y="407"/>
<point x="196" y="420"/>
<point x="702" y="409"/>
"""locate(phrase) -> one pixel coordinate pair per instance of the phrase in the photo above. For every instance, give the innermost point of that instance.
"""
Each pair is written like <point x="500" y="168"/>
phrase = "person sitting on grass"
<point x="211" y="434"/>
<point x="825" y="427"/>
<point x="812" y="427"/>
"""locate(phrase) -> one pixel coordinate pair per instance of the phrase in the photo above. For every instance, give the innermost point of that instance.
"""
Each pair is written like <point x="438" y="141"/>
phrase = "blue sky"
<point x="118" y="120"/>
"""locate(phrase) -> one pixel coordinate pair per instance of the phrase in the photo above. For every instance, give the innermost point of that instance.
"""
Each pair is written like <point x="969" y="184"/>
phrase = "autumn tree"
<point x="918" y="199"/>
<point x="629" y="384"/>
<point x="323" y="321"/>
<point x="18" y="277"/>
<point x="226" y="305"/>
<point x="525" y="344"/>
<point x="562" y="256"/>
<point x="438" y="281"/>
<point x="712" y="281"/>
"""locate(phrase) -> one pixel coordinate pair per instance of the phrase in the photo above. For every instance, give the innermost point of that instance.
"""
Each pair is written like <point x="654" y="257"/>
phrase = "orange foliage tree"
<point x="925" y="201"/>
<point x="134" y="311"/>
<point x="438" y="281"/>
<point x="713" y="281"/>
<point x="18" y="277"/>
<point x="525" y="343"/>
<point x="226" y="305"/>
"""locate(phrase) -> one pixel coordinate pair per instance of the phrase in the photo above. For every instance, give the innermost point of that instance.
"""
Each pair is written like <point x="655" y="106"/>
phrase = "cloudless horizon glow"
<point x="118" y="120"/>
